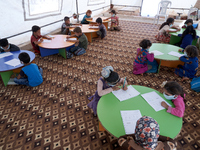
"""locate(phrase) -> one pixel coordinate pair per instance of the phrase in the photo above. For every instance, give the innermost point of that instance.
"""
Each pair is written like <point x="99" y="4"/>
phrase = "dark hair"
<point x="189" y="30"/>
<point x="99" y="20"/>
<point x="77" y="30"/>
<point x="24" y="57"/>
<point x="113" y="11"/>
<point x="145" y="43"/>
<point x="188" y="21"/>
<point x="113" y="78"/>
<point x="35" y="28"/>
<point x="169" y="20"/>
<point x="192" y="51"/>
<point x="174" y="88"/>
<point x="88" y="11"/>
<point x="3" y="42"/>
<point x="66" y="18"/>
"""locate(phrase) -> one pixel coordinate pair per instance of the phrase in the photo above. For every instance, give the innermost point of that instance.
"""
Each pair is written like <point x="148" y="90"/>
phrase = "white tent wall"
<point x="13" y="20"/>
<point x="127" y="2"/>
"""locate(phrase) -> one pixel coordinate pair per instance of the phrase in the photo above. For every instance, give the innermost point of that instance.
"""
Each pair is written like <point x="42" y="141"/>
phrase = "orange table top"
<point x="85" y="29"/>
<point x="57" y="42"/>
<point x="93" y="20"/>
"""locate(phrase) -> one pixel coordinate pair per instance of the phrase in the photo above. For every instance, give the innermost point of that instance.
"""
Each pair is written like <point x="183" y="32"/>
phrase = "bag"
<point x="195" y="84"/>
<point x="154" y="68"/>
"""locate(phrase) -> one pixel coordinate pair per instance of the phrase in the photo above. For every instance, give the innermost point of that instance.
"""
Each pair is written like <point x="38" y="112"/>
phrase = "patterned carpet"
<point x="28" y="122"/>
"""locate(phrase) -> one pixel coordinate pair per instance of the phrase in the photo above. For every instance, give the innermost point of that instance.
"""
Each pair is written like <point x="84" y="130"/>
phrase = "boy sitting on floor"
<point x="102" y="29"/>
<point x="7" y="47"/>
<point x="31" y="74"/>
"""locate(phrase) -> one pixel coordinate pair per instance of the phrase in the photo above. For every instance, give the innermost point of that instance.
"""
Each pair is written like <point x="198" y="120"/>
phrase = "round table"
<point x="56" y="45"/>
<point x="105" y="22"/>
<point x="166" y="59"/>
<point x="6" y="70"/>
<point x="90" y="33"/>
<point x="109" y="107"/>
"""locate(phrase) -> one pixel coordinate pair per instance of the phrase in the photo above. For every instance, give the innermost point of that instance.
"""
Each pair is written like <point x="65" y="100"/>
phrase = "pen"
<point x="124" y="82"/>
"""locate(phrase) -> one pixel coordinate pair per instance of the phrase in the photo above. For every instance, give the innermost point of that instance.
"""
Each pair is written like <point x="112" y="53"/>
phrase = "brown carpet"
<point x="66" y="122"/>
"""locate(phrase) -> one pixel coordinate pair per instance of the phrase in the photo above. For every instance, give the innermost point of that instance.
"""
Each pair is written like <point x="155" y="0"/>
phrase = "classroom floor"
<point x="66" y="122"/>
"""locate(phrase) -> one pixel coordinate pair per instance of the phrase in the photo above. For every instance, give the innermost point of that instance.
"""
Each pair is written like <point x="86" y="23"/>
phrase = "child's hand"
<point x="178" y="29"/>
<point x="41" y="39"/>
<point x="180" y="50"/>
<point x="125" y="88"/>
<point x="163" y="104"/>
<point x="49" y="38"/>
<point x="115" y="88"/>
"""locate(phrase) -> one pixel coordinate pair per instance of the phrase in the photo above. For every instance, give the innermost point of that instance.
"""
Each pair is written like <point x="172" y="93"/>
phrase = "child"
<point x="65" y="26"/>
<point x="114" y="21"/>
<point x="187" y="37"/>
<point x="173" y="91"/>
<point x="36" y="38"/>
<point x="31" y="74"/>
<point x="82" y="42"/>
<point x="188" y="22"/>
<point x="7" y="47"/>
<point x="102" y="29"/>
<point x="147" y="136"/>
<point x="109" y="82"/>
<point x="140" y="65"/>
<point x="189" y="69"/>
<point x="164" y="30"/>
<point x="88" y="16"/>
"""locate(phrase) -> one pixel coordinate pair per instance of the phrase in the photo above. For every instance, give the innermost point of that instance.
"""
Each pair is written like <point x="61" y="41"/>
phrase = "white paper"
<point x="129" y="118"/>
<point x="51" y="36"/>
<point x="73" y="26"/>
<point x="14" y="62"/>
<point x="5" y="54"/>
<point x="93" y="27"/>
<point x="172" y="29"/>
<point x="175" y="54"/>
<point x="124" y="95"/>
<point x="156" y="52"/>
<point x="154" y="100"/>
<point x="46" y="41"/>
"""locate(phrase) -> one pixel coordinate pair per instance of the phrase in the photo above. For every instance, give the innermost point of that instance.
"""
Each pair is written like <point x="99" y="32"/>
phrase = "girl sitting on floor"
<point x="109" y="82"/>
<point x="164" y="30"/>
<point x="140" y="64"/>
<point x="189" y="69"/>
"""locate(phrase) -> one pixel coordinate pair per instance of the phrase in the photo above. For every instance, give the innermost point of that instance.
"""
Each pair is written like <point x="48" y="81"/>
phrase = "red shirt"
<point x="33" y="39"/>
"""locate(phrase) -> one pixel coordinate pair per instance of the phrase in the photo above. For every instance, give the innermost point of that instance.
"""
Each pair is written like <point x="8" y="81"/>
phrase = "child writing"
<point x="87" y="16"/>
<point x="164" y="30"/>
<point x="82" y="42"/>
<point x="187" y="37"/>
<point x="31" y="74"/>
<point x="188" y="22"/>
<point x="173" y="91"/>
<point x="109" y="82"/>
<point x="147" y="136"/>
<point x="7" y="47"/>
<point x="189" y="69"/>
<point x="36" y="38"/>
<point x="140" y="64"/>
<point x="102" y="29"/>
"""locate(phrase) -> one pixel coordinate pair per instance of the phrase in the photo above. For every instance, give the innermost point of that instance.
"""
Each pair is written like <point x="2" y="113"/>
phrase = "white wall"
<point x="127" y="2"/>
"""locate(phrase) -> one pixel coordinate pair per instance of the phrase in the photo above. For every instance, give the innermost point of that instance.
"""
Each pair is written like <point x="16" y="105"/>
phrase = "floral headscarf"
<point x="147" y="132"/>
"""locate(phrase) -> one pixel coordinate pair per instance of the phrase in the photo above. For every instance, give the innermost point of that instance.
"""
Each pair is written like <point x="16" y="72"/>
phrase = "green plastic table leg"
<point x="194" y="42"/>
<point x="62" y="52"/>
<point x="174" y="39"/>
<point x="159" y="66"/>
<point x="6" y="76"/>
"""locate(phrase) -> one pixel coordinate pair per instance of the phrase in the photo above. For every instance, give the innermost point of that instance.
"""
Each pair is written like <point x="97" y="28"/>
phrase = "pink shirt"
<point x="179" y="107"/>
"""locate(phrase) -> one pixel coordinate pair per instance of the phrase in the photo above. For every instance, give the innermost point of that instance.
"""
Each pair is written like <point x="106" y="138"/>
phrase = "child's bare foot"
<point x="175" y="74"/>
<point x="185" y="78"/>
<point x="142" y="74"/>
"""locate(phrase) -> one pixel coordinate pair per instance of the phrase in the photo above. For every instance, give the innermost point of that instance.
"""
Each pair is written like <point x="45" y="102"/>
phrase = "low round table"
<point x="89" y="32"/>
<point x="166" y="59"/>
<point x="56" y="45"/>
<point x="6" y="70"/>
<point x="109" y="107"/>
<point x="105" y="22"/>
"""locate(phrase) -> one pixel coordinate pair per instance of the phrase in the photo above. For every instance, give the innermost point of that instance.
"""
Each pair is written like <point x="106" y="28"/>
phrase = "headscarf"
<point x="106" y="71"/>
<point x="147" y="132"/>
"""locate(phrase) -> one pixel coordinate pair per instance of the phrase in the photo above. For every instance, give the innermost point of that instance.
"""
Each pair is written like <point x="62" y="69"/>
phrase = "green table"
<point x="175" y="38"/>
<point x="109" y="115"/>
<point x="166" y="59"/>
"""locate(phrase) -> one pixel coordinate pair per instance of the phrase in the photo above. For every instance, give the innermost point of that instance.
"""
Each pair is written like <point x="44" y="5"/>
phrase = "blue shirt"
<point x="187" y="40"/>
<point x="190" y="64"/>
<point x="84" y="21"/>
<point x="33" y="74"/>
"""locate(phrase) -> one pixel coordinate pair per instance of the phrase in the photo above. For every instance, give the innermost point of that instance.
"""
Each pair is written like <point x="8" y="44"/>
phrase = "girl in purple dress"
<point x="140" y="64"/>
<point x="109" y="82"/>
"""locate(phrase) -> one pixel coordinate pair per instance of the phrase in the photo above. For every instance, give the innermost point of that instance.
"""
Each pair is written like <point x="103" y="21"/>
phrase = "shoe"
<point x="11" y="82"/>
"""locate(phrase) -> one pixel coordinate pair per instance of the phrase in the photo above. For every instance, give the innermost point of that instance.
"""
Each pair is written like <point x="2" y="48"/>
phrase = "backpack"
<point x="195" y="84"/>
<point x="154" y="68"/>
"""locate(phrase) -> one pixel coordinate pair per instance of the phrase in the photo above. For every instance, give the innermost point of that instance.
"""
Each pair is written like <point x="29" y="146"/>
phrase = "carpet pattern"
<point x="29" y="122"/>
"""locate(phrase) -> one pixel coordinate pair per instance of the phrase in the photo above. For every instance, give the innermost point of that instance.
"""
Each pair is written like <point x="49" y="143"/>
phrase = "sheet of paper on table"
<point x="124" y="95"/>
<point x="154" y="100"/>
<point x="93" y="27"/>
<point x="2" y="55"/>
<point x="13" y="62"/>
<point x="175" y="54"/>
<point x="172" y="29"/>
<point x="46" y="41"/>
<point x="156" y="52"/>
<point x="71" y="39"/>
<point x="73" y="26"/>
<point x="51" y="36"/>
<point x="129" y="118"/>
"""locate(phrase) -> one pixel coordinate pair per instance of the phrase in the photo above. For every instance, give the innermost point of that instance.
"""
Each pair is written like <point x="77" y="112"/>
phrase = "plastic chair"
<point x="193" y="13"/>
<point x="162" y="10"/>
